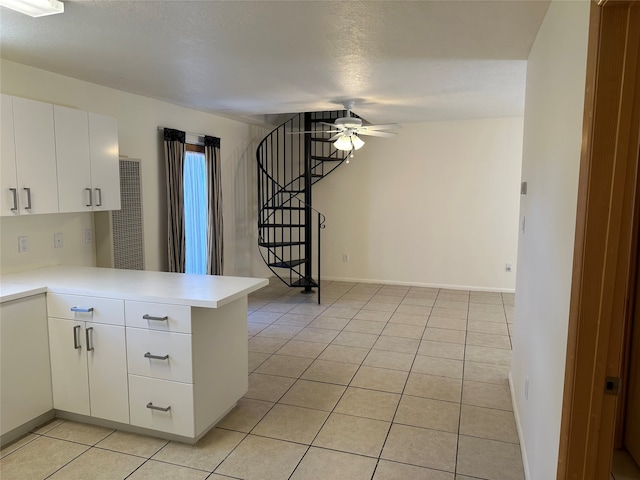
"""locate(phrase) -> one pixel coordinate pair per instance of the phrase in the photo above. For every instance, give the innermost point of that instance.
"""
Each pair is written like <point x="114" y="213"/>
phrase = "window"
<point x="195" y="210"/>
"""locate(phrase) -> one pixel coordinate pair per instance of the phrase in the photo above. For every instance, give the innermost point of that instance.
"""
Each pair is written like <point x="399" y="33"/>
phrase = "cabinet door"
<point x="8" y="178"/>
<point x="35" y="156"/>
<point x="69" y="375"/>
<point x="107" y="362"/>
<point x="25" y="375"/>
<point x="105" y="169"/>
<point x="72" y="156"/>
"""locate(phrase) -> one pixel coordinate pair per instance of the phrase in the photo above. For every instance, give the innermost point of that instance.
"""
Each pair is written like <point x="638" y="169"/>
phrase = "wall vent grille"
<point x="128" y="240"/>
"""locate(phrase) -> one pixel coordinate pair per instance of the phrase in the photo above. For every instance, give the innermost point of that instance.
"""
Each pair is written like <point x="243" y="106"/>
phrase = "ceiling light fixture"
<point x="348" y="142"/>
<point x="34" y="8"/>
<point x="357" y="142"/>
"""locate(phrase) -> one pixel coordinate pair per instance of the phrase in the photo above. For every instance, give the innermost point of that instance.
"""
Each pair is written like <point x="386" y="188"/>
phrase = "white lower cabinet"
<point x="88" y="358"/>
<point x="159" y="354"/>
<point x="25" y="378"/>
<point x="162" y="405"/>
<point x="187" y="365"/>
<point x="171" y="369"/>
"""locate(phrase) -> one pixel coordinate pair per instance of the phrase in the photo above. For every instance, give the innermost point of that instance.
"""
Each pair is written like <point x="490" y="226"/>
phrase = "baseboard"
<point x="25" y="428"/>
<point x="516" y="414"/>
<point x="419" y="284"/>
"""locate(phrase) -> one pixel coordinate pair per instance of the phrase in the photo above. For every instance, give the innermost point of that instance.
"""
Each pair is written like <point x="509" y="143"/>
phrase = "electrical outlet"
<point x="57" y="240"/>
<point x="345" y="257"/>
<point x="88" y="236"/>
<point x="23" y="244"/>
<point x="508" y="267"/>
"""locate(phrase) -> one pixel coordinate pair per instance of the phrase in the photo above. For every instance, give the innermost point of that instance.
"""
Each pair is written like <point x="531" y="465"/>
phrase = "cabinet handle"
<point x="146" y="316"/>
<point x="89" y="334"/>
<point x="156" y="357"/>
<point x="162" y="409"/>
<point x="76" y="337"/>
<point x="14" y="192"/>
<point x="28" y="190"/>
<point x="82" y="310"/>
<point x="99" y="192"/>
<point x="90" y="197"/>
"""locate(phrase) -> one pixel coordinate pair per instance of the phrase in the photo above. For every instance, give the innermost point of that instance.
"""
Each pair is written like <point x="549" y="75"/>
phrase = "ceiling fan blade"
<point x="329" y="124"/>
<point x="335" y="137"/>
<point x="376" y="134"/>
<point x="295" y="132"/>
<point x="388" y="126"/>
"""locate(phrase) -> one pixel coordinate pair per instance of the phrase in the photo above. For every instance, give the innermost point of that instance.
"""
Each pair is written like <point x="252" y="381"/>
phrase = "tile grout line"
<point x="334" y="407"/>
<point x="464" y="357"/>
<point x="401" y="393"/>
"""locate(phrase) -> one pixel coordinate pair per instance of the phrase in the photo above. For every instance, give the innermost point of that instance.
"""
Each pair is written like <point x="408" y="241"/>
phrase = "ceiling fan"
<point x="348" y="130"/>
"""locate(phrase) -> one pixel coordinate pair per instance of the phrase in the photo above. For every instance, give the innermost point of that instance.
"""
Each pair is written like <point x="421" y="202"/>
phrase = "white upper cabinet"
<point x="8" y="174"/>
<point x="74" y="167"/>
<point x="35" y="156"/>
<point x="105" y="174"/>
<point x="56" y="159"/>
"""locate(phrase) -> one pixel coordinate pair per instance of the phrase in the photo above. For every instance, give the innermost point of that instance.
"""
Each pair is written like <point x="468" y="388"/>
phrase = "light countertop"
<point x="11" y="291"/>
<point x="210" y="291"/>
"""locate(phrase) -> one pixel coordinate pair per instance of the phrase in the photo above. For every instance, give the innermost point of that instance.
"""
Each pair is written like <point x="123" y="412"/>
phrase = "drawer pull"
<point x="76" y="337"/>
<point x="90" y="197"/>
<point x="82" y="310"/>
<point x="14" y="192"/>
<point x="28" y="190"/>
<point x="156" y="357"/>
<point x="162" y="409"/>
<point x="146" y="316"/>
<point x="89" y="334"/>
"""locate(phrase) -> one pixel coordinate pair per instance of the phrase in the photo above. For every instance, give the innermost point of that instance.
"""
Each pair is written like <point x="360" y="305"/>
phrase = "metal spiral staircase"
<point x="288" y="166"/>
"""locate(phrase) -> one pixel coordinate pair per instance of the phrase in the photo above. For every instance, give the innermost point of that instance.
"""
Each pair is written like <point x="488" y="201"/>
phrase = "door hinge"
<point x="612" y="385"/>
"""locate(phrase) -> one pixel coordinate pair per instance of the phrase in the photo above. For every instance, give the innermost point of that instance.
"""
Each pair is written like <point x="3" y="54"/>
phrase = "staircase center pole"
<point x="308" y="220"/>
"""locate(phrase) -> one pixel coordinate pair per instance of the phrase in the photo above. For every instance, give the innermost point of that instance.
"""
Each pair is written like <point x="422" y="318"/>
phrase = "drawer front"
<point x="147" y="392"/>
<point x="83" y="308"/>
<point x="158" y="316"/>
<point x="176" y="347"/>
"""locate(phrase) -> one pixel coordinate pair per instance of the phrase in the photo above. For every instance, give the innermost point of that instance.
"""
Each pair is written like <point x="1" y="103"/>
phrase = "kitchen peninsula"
<point x="157" y="353"/>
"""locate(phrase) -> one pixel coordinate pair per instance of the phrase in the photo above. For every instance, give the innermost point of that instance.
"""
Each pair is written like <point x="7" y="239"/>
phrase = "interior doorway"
<point x="604" y="287"/>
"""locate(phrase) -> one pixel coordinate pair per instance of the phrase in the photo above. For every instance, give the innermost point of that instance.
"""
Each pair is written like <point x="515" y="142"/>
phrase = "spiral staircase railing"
<point x="288" y="225"/>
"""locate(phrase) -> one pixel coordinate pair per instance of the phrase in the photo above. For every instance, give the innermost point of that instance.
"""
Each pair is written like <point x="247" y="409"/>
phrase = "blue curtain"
<point x="195" y="212"/>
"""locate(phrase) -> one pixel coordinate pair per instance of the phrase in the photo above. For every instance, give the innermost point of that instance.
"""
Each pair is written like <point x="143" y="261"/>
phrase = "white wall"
<point x="138" y="121"/>
<point x="436" y="205"/>
<point x="551" y="156"/>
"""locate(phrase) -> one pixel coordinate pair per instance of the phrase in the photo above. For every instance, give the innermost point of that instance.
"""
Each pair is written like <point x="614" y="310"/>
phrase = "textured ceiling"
<point x="401" y="61"/>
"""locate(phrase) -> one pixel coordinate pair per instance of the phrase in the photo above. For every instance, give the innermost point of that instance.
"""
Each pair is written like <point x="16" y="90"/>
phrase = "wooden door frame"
<point x="603" y="281"/>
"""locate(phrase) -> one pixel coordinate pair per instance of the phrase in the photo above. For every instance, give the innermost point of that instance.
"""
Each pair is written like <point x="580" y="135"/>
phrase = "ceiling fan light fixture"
<point x="343" y="143"/>
<point x="34" y="8"/>
<point x="357" y="142"/>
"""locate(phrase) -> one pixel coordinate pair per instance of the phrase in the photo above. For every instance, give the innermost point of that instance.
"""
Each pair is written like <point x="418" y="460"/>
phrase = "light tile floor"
<point x="379" y="382"/>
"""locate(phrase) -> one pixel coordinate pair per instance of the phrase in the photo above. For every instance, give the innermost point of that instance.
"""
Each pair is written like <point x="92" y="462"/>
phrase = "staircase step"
<point x="288" y="190"/>
<point x="305" y="282"/>
<point x="325" y="120"/>
<point x="327" y="159"/>
<point x="280" y="225"/>
<point x="288" y="263"/>
<point x="280" y="244"/>
<point x="323" y="140"/>
<point x="282" y="207"/>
